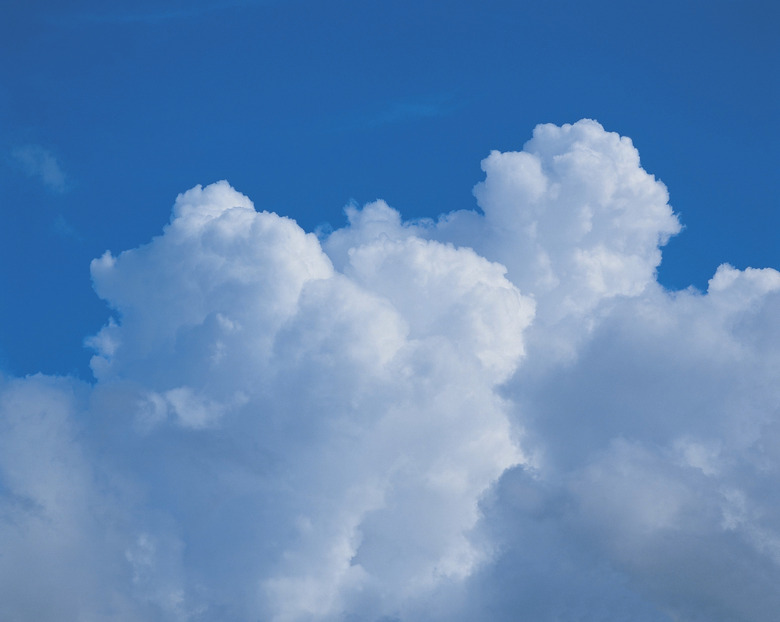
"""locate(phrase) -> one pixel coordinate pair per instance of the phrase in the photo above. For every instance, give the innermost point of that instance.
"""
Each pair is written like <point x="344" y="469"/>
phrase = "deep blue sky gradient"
<point x="307" y="105"/>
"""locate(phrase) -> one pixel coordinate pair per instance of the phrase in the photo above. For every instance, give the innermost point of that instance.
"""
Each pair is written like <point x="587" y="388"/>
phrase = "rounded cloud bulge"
<point x="354" y="401"/>
<point x="494" y="413"/>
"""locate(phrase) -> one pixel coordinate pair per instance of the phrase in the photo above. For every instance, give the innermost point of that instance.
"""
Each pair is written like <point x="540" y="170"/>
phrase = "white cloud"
<point x="61" y="534"/>
<point x="369" y="394"/>
<point x="496" y="414"/>
<point x="42" y="164"/>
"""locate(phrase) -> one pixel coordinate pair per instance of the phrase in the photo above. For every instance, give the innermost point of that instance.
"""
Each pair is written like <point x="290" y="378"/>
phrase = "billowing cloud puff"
<point x="495" y="414"/>
<point x="355" y="402"/>
<point x="656" y="465"/>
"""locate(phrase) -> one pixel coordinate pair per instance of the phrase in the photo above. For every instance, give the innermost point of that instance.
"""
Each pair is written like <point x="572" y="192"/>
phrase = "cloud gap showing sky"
<point x="496" y="413"/>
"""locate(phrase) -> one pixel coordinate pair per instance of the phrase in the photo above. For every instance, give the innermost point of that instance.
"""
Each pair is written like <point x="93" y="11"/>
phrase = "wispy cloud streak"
<point x="400" y="111"/>
<point x="41" y="164"/>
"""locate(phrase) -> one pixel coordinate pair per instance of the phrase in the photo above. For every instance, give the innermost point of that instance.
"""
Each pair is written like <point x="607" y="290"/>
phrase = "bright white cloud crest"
<point x="497" y="411"/>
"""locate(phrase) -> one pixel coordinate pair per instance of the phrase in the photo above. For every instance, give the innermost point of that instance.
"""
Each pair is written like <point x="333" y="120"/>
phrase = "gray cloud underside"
<point x="494" y="415"/>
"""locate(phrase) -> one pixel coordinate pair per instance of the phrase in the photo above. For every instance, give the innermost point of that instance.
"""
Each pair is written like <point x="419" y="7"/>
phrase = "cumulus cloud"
<point x="40" y="163"/>
<point x="497" y="414"/>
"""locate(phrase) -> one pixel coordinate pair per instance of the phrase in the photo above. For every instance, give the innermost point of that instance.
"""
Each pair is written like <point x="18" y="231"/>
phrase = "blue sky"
<point x="305" y="106"/>
<point x="318" y="311"/>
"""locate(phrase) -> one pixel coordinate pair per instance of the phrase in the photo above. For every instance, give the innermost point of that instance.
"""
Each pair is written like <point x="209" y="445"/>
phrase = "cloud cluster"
<point x="495" y="414"/>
